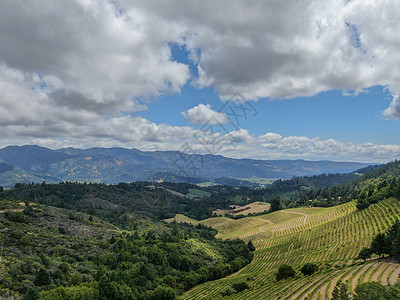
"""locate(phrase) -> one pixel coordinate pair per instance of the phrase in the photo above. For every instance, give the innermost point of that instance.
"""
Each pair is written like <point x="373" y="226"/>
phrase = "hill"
<point x="123" y="234"/>
<point x="55" y="253"/>
<point x="329" y="237"/>
<point x="114" y="165"/>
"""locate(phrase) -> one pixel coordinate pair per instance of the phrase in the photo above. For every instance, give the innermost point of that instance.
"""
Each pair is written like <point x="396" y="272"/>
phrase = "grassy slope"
<point x="330" y="237"/>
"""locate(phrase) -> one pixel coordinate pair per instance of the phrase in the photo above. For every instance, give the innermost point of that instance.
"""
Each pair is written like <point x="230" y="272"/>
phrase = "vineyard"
<point x="329" y="237"/>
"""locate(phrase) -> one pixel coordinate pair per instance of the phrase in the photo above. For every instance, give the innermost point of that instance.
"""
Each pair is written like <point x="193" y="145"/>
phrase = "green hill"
<point x="102" y="241"/>
<point x="114" y="165"/>
<point x="49" y="252"/>
<point x="329" y="237"/>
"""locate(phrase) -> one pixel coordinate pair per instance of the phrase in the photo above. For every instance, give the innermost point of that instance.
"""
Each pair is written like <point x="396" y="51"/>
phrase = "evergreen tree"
<point x="275" y="204"/>
<point x="251" y="246"/>
<point x="379" y="245"/>
<point x="393" y="240"/>
<point x="365" y="254"/>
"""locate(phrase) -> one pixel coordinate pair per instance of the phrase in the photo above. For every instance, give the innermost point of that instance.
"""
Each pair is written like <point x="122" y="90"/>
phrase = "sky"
<point x="314" y="80"/>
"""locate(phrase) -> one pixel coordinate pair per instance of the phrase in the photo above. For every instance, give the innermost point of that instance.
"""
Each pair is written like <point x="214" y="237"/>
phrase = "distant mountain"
<point x="112" y="165"/>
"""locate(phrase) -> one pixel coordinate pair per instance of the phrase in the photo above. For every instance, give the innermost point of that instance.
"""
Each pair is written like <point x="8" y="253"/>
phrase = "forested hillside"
<point x="55" y="253"/>
<point x="370" y="184"/>
<point x="27" y="164"/>
<point x="98" y="241"/>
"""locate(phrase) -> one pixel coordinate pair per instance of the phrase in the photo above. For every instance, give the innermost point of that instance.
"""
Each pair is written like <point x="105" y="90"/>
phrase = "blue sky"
<point x="327" y="115"/>
<point x="348" y="118"/>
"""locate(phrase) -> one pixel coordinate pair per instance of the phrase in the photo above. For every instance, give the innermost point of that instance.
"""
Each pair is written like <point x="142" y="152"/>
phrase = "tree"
<point x="275" y="204"/>
<point x="240" y="286"/>
<point x="379" y="245"/>
<point x="371" y="291"/>
<point x="393" y="240"/>
<point x="42" y="278"/>
<point x="251" y="246"/>
<point x="309" y="269"/>
<point x="365" y="254"/>
<point x="362" y="204"/>
<point x="341" y="292"/>
<point x="31" y="294"/>
<point x="285" y="271"/>
<point x="162" y="293"/>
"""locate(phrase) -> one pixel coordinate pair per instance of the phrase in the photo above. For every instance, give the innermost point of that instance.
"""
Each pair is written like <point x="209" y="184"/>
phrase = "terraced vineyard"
<point x="329" y="237"/>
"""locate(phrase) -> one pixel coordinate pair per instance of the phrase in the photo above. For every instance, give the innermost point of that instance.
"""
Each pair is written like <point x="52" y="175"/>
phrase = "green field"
<point x="198" y="193"/>
<point x="260" y="180"/>
<point x="329" y="237"/>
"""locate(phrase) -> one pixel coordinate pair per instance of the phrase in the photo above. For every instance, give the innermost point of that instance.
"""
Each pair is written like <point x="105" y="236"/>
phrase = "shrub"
<point x="371" y="290"/>
<point x="285" y="271"/>
<point x="309" y="269"/>
<point x="16" y="216"/>
<point x="228" y="291"/>
<point x="240" y="286"/>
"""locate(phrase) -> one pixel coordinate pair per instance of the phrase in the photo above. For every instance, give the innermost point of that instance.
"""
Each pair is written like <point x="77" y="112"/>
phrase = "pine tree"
<point x="275" y="204"/>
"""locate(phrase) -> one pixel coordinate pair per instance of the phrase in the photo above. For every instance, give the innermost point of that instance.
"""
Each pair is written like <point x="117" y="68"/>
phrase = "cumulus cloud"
<point x="286" y="49"/>
<point x="275" y="146"/>
<point x="204" y="114"/>
<point x="75" y="72"/>
<point x="89" y="55"/>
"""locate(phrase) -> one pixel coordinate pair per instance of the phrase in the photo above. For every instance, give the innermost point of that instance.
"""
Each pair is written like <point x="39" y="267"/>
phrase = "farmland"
<point x="329" y="237"/>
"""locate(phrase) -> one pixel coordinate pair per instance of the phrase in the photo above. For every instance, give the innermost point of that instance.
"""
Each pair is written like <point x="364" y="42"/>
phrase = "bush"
<point x="309" y="269"/>
<point x="16" y="216"/>
<point x="371" y="290"/>
<point x="285" y="271"/>
<point x="240" y="286"/>
<point x="227" y="291"/>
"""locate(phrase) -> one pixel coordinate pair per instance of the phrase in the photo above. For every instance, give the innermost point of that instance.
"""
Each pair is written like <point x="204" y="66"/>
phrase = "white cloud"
<point x="286" y="49"/>
<point x="90" y="54"/>
<point x="73" y="72"/>
<point x="204" y="114"/>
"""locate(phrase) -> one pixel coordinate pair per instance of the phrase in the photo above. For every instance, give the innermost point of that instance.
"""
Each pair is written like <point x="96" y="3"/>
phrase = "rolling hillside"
<point x="329" y="237"/>
<point x="26" y="164"/>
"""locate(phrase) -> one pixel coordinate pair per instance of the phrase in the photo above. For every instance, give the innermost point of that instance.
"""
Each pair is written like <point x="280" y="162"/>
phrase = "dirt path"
<point x="12" y="210"/>
<point x="358" y="274"/>
<point x="385" y="276"/>
<point x="395" y="275"/>
<point x="379" y="271"/>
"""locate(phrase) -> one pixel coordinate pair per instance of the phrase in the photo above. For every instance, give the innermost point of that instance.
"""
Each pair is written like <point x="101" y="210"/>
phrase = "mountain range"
<point x="31" y="163"/>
